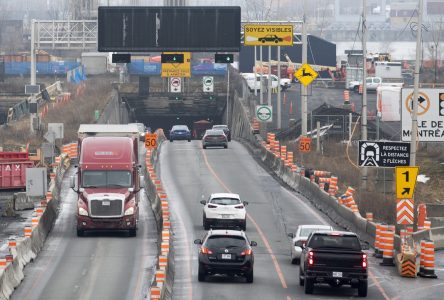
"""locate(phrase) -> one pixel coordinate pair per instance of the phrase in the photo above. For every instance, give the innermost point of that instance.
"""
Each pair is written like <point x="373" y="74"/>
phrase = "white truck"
<point x="253" y="84"/>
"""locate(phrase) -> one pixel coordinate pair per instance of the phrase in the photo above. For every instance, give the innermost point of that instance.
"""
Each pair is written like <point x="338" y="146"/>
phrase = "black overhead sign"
<point x="383" y="154"/>
<point x="157" y="28"/>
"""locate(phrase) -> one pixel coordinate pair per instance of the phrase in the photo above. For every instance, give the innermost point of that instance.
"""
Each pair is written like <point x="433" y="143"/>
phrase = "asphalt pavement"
<point x="188" y="172"/>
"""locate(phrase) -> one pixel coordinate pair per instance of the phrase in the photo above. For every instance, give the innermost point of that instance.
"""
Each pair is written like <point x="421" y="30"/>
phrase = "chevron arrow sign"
<point x="404" y="211"/>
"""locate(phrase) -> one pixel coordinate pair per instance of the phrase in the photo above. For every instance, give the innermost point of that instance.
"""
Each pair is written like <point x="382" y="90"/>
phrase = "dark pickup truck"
<point x="335" y="258"/>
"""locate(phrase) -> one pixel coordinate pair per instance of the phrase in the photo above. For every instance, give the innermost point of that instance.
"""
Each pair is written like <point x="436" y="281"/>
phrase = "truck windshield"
<point x="106" y="179"/>
<point x="319" y="241"/>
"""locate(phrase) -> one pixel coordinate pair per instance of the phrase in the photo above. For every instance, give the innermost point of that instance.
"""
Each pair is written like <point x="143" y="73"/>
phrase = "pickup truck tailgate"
<point x="343" y="259"/>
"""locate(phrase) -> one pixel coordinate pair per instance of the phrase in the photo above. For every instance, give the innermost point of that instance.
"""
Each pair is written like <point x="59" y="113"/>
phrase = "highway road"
<point x="188" y="172"/>
<point x="97" y="266"/>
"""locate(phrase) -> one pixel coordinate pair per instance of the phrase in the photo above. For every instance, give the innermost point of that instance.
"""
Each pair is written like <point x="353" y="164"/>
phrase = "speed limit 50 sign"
<point x="304" y="144"/>
<point x="150" y="140"/>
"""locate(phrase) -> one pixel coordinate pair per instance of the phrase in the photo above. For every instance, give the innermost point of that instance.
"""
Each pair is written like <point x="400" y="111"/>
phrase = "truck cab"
<point x="107" y="181"/>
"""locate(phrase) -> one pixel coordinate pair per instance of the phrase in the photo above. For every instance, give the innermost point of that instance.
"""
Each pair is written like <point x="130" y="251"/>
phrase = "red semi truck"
<point x="107" y="180"/>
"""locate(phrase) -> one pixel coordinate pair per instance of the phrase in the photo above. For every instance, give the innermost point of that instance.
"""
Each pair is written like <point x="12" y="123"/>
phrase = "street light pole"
<point x="304" y="88"/>
<point x="364" y="172"/>
<point x="415" y="88"/>
<point x="228" y="88"/>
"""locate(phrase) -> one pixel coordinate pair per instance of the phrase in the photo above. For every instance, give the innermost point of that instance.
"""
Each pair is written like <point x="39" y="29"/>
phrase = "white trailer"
<point x="388" y="103"/>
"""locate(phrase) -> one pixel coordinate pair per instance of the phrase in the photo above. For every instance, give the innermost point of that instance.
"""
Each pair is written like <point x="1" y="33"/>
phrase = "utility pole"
<point x="364" y="87"/>
<point x="261" y="96"/>
<point x="228" y="90"/>
<point x="279" y="117"/>
<point x="303" y="87"/>
<point x="269" y="76"/>
<point x="255" y="73"/>
<point x="416" y="87"/>
<point x="33" y="73"/>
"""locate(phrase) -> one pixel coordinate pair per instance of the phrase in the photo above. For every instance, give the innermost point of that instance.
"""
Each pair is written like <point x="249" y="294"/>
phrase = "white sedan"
<point x="300" y="238"/>
<point x="224" y="210"/>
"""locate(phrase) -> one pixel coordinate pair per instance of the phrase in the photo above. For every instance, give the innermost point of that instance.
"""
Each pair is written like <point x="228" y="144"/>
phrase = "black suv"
<point x="225" y="252"/>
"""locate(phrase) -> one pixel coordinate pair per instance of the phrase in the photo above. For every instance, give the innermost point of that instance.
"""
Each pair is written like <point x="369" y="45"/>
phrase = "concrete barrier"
<point x="27" y="248"/>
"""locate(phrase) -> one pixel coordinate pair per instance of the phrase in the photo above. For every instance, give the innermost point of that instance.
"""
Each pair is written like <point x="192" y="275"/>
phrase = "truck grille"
<point x="106" y="208"/>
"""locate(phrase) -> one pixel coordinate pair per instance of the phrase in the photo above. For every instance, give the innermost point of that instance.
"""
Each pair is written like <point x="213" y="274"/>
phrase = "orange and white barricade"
<point x="387" y="245"/>
<point x="427" y="259"/>
<point x="369" y="216"/>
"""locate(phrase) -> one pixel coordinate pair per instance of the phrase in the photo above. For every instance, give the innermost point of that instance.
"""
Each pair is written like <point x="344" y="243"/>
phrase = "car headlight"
<point x="129" y="211"/>
<point x="83" y="212"/>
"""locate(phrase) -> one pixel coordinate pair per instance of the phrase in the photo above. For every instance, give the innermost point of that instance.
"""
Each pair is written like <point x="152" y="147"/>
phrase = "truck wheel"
<point x="250" y="276"/>
<point x="308" y="286"/>
<point x="80" y="232"/>
<point x="132" y="232"/>
<point x="201" y="274"/>
<point x="362" y="288"/>
<point x="206" y="224"/>
<point x="301" y="278"/>
<point x="295" y="261"/>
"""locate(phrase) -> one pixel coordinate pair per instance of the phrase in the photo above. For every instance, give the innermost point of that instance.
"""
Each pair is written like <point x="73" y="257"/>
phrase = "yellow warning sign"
<point x="178" y="69"/>
<point x="268" y="35"/>
<point x="423" y="103"/>
<point x="306" y="74"/>
<point x="405" y="181"/>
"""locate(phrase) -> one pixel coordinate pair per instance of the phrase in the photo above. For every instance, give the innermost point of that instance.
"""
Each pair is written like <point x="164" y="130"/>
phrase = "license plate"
<point x="106" y="203"/>
<point x="337" y="274"/>
<point x="226" y="256"/>
<point x="226" y="216"/>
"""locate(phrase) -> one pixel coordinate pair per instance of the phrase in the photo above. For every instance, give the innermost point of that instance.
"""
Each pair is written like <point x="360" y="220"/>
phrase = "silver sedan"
<point x="300" y="238"/>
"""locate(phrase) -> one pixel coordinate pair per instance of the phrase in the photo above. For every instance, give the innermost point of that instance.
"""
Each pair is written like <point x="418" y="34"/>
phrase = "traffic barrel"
<point x="360" y="89"/>
<point x="369" y="216"/>
<point x="350" y="191"/>
<point x="35" y="222"/>
<point x="346" y="96"/>
<point x="166" y="224"/>
<point x="27" y="231"/>
<point x="256" y="126"/>
<point x="284" y="152"/>
<point x="290" y="158"/>
<point x="387" y="245"/>
<point x="2" y="263"/>
<point x="155" y="293"/>
<point x="294" y="168"/>
<point x="354" y="208"/>
<point x="165" y="247"/>
<point x="73" y="150"/>
<point x="39" y="211"/>
<point x="165" y="234"/>
<point x="163" y="261"/>
<point x="12" y="244"/>
<point x="160" y="276"/>
<point x="333" y="186"/>
<point x="427" y="259"/>
<point x="427" y="225"/>
<point x="58" y="159"/>
<point x="379" y="228"/>
<point x="321" y="185"/>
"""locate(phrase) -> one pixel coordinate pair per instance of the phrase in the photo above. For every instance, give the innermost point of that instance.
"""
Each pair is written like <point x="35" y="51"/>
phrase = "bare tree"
<point x="436" y="32"/>
<point x="258" y="9"/>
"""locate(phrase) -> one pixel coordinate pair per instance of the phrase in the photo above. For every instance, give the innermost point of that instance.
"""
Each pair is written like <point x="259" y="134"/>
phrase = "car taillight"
<point x="212" y="206"/>
<point x="246" y="252"/>
<point x="310" y="258"/>
<point x="239" y="206"/>
<point x="364" y="261"/>
<point x="205" y="250"/>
